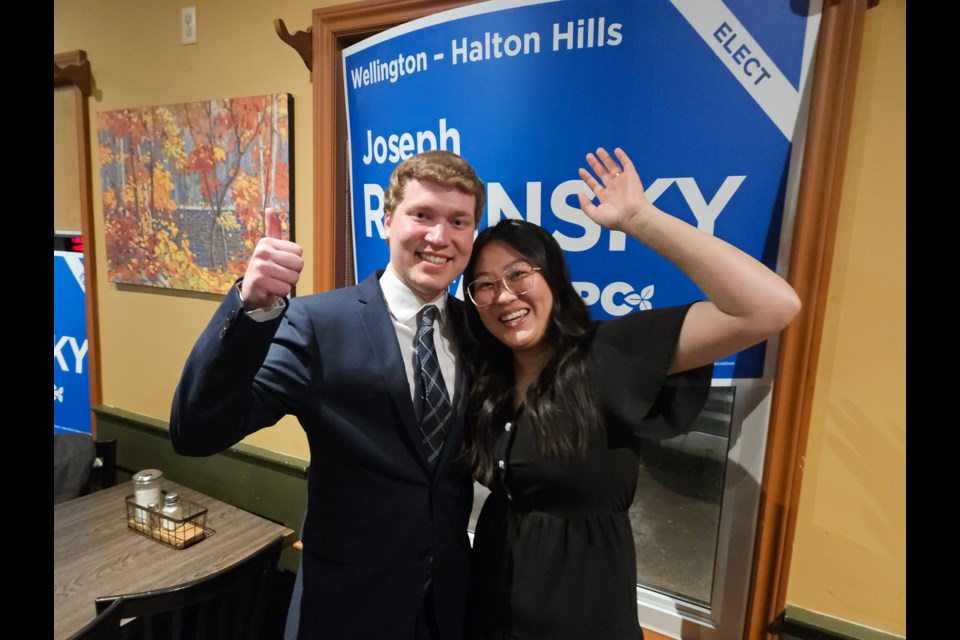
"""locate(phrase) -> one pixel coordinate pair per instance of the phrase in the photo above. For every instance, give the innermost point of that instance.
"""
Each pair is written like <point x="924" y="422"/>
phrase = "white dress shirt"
<point x="405" y="310"/>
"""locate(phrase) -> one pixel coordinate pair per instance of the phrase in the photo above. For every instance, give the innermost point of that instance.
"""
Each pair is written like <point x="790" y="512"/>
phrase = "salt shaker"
<point x="147" y="490"/>
<point x="172" y="511"/>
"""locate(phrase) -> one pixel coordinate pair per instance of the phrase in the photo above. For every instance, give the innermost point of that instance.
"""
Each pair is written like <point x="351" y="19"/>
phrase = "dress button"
<point x="509" y="496"/>
<point x="501" y="464"/>
<point x="508" y="426"/>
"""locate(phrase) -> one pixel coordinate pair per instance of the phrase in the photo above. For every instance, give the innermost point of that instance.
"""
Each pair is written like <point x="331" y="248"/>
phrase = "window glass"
<point x="676" y="512"/>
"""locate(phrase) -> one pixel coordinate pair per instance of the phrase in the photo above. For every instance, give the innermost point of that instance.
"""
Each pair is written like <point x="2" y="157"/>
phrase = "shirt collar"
<point x="402" y="302"/>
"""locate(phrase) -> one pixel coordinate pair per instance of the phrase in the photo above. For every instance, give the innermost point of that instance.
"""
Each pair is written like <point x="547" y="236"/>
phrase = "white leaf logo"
<point x="641" y="300"/>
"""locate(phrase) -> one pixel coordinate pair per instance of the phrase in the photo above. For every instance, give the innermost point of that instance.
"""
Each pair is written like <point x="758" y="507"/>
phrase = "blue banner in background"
<point x="71" y="383"/>
<point x="704" y="96"/>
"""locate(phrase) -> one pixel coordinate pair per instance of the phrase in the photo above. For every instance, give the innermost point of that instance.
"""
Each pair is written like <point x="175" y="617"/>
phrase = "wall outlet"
<point x="188" y="25"/>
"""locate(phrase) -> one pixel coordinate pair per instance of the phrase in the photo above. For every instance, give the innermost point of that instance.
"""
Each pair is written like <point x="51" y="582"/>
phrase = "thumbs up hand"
<point x="274" y="267"/>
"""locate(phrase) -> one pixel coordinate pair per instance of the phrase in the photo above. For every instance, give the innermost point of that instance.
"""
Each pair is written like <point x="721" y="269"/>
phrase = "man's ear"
<point x="386" y="226"/>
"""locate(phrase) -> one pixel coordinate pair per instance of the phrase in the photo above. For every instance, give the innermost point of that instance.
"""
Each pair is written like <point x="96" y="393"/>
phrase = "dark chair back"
<point x="73" y="457"/>
<point x="228" y="604"/>
<point x="104" y="474"/>
<point x="82" y="465"/>
<point x="106" y="626"/>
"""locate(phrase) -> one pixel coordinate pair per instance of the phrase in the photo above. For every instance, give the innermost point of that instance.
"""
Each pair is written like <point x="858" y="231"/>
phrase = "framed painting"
<point x="185" y="187"/>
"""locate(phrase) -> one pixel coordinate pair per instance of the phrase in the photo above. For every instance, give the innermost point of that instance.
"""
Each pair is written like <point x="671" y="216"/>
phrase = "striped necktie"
<point x="436" y="413"/>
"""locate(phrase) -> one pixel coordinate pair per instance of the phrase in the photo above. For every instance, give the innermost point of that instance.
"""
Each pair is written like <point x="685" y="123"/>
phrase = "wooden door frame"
<point x="72" y="69"/>
<point x="814" y="234"/>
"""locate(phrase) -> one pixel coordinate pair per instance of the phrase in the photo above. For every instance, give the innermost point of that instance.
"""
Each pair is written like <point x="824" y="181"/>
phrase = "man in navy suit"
<point x="385" y="547"/>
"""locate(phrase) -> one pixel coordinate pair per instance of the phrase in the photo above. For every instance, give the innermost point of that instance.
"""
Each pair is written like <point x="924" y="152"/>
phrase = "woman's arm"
<point x="747" y="302"/>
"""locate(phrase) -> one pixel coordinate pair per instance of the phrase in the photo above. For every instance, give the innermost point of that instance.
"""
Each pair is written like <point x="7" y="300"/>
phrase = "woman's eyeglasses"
<point x="517" y="281"/>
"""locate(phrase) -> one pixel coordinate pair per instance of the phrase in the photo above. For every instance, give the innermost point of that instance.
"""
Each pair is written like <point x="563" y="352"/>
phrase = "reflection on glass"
<point x="676" y="511"/>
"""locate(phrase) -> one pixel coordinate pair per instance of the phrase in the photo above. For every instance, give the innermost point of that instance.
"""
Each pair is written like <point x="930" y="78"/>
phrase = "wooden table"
<point x="96" y="554"/>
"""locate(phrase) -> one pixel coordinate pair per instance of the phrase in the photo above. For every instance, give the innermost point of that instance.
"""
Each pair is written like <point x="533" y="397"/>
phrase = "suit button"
<point x="508" y="426"/>
<point x="501" y="464"/>
<point x="509" y="496"/>
<point x="223" y="331"/>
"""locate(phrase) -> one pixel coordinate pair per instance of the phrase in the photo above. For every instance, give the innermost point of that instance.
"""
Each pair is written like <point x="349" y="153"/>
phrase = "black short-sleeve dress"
<point x="553" y="555"/>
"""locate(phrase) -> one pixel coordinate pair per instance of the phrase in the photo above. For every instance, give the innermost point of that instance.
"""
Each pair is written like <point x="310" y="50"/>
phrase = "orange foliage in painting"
<point x="184" y="188"/>
<point x="246" y="196"/>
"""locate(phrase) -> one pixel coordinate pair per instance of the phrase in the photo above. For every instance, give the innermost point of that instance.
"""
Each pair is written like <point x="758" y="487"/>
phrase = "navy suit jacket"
<point x="379" y="522"/>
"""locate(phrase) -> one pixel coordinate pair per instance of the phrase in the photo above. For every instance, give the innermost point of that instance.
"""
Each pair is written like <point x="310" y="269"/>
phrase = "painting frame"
<point x="185" y="186"/>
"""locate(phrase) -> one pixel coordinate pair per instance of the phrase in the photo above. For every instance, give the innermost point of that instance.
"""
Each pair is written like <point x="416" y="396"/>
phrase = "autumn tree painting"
<point x="185" y="187"/>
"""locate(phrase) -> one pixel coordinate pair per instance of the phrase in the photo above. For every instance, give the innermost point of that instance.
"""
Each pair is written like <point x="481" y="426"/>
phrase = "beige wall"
<point x="66" y="167"/>
<point x="137" y="60"/>
<point x="849" y="555"/>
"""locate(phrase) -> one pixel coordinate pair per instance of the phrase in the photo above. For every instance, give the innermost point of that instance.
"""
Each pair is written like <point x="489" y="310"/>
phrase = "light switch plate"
<point x="188" y="25"/>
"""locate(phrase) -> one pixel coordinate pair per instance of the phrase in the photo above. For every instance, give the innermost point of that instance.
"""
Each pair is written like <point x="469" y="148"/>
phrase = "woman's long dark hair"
<point x="559" y="405"/>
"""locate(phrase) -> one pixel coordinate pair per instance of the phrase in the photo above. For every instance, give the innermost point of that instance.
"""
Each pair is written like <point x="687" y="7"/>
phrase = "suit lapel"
<point x="378" y="326"/>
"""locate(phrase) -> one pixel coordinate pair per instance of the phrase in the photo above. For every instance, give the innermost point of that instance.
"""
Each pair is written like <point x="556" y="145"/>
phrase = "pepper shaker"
<point x="172" y="511"/>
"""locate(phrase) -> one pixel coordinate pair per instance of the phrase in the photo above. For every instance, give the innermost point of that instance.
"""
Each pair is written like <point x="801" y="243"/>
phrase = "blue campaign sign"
<point x="71" y="384"/>
<point x="705" y="96"/>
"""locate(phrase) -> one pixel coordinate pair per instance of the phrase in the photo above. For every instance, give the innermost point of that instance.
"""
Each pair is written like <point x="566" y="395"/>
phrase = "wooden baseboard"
<point x="802" y="624"/>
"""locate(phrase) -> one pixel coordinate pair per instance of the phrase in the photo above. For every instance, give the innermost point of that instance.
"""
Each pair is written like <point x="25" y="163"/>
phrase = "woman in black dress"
<point x="559" y="404"/>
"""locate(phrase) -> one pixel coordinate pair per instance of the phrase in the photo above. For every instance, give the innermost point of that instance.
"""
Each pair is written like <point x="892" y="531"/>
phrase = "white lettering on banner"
<point x="373" y="214"/>
<point x="494" y="46"/>
<point x="588" y="33"/>
<point x="609" y="304"/>
<point x="397" y="147"/>
<point x="572" y="35"/>
<point x="378" y="70"/>
<point x="500" y="205"/>
<point x="498" y="202"/>
<point x="745" y="59"/>
<point x="588" y="291"/>
<point x="574" y="215"/>
<point x="706" y="213"/>
<point x="79" y="351"/>
<point x="616" y="298"/>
